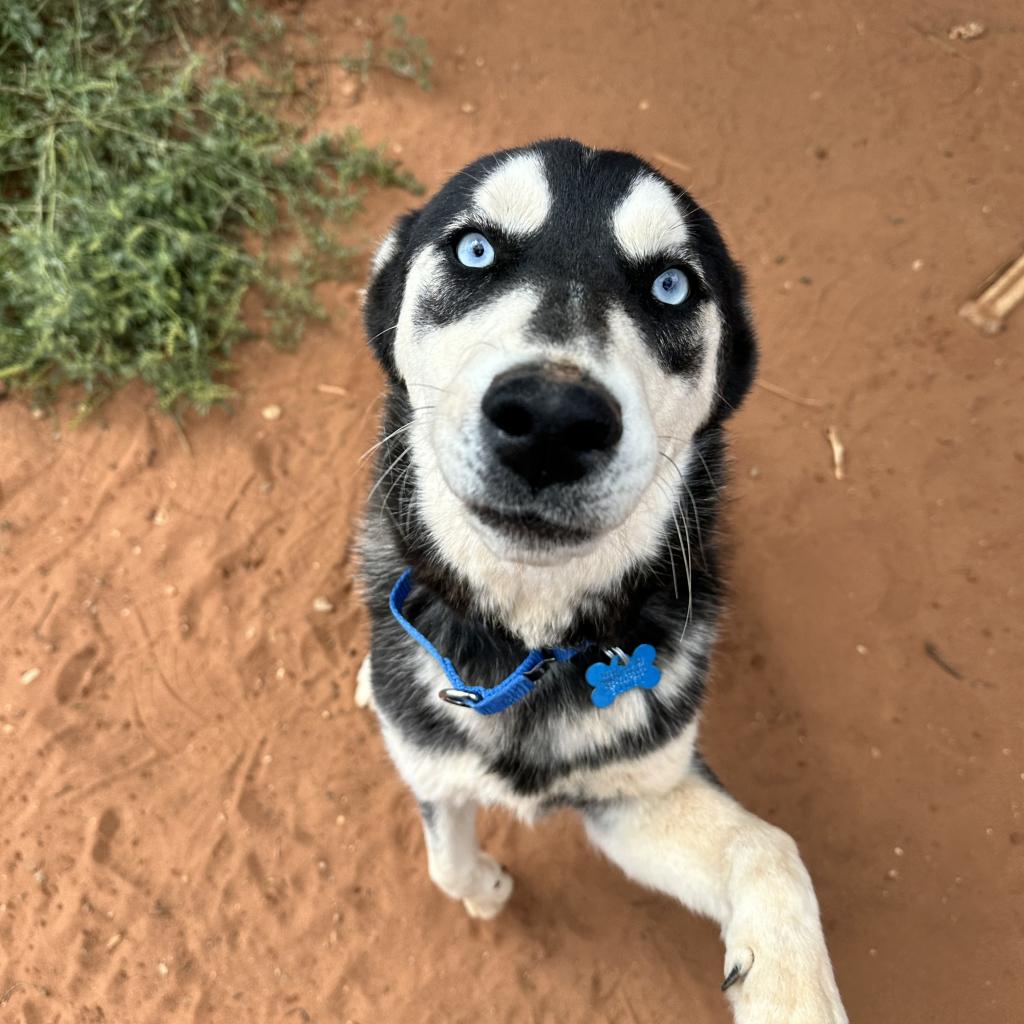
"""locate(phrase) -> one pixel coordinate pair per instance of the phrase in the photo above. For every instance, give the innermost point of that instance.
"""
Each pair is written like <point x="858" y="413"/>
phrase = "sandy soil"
<point x="198" y="826"/>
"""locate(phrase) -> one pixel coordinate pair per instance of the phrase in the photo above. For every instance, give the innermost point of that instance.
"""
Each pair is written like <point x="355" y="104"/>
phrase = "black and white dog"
<point x="564" y="334"/>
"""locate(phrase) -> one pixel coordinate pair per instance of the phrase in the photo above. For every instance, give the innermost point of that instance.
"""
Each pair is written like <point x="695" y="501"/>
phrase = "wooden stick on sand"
<point x="988" y="312"/>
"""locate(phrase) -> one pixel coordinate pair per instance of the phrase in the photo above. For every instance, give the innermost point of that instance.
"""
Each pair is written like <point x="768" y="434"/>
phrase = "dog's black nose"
<point x="550" y="425"/>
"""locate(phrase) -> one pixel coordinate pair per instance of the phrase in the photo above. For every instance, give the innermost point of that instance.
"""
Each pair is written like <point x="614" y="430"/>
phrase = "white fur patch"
<point x="385" y="250"/>
<point x="515" y="196"/>
<point x="647" y="221"/>
<point x="463" y="777"/>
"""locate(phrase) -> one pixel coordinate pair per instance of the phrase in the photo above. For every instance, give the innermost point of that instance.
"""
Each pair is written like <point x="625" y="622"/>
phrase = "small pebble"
<point x="861" y="649"/>
<point x="468" y="108"/>
<point x="162" y="969"/>
<point x="114" y="941"/>
<point x="967" y="31"/>
<point x="321" y="604"/>
<point x="643" y="105"/>
<point x="30" y="676"/>
<point x="271" y="412"/>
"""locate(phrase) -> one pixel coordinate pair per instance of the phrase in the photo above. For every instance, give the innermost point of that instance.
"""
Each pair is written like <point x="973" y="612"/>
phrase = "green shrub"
<point x="144" y="193"/>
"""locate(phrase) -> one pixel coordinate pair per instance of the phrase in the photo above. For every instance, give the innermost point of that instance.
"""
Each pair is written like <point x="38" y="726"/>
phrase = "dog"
<point x="564" y="334"/>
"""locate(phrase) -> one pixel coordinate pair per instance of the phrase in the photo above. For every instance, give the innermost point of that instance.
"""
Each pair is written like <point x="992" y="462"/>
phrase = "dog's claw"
<point x="732" y="977"/>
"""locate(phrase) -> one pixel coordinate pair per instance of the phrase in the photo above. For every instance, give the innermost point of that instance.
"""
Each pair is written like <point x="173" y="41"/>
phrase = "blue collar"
<point x="484" y="700"/>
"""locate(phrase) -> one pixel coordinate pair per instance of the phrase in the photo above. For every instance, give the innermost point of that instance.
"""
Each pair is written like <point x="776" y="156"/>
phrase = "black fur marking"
<point x="654" y="603"/>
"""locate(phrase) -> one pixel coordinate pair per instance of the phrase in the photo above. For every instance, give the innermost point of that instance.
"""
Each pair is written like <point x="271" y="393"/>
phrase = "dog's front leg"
<point x="458" y="867"/>
<point x="697" y="844"/>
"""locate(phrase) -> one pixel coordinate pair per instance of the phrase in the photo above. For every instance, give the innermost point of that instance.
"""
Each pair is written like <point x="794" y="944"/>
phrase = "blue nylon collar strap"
<point x="484" y="700"/>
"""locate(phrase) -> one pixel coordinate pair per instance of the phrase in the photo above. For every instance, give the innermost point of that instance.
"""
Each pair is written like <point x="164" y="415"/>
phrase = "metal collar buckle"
<point x="460" y="698"/>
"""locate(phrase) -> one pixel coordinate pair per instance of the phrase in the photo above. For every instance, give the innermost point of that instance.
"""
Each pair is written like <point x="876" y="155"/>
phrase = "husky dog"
<point x="564" y="334"/>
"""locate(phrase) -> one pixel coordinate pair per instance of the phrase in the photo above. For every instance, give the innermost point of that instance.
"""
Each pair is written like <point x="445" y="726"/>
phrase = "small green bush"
<point x="144" y="193"/>
<point x="404" y="54"/>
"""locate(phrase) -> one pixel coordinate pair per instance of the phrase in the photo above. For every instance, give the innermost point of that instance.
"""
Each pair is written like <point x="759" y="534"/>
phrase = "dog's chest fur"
<point x="532" y="763"/>
<point x="555" y="748"/>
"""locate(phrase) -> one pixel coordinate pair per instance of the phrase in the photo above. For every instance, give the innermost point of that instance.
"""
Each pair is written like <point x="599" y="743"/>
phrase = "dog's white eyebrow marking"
<point x="515" y="196"/>
<point x="647" y="221"/>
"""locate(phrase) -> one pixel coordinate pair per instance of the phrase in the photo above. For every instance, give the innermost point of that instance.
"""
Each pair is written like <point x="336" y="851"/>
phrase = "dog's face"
<point x="564" y="322"/>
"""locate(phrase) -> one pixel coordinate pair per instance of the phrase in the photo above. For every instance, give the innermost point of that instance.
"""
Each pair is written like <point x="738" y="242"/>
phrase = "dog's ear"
<point x="737" y="361"/>
<point x="385" y="289"/>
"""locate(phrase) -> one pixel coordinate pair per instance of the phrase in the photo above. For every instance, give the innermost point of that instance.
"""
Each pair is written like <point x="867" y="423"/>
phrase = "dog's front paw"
<point x="484" y="888"/>
<point x="492" y="887"/>
<point x="774" y="980"/>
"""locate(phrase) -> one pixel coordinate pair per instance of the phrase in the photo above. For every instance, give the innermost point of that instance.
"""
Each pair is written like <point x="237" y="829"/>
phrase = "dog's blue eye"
<point x="475" y="251"/>
<point x="671" y="287"/>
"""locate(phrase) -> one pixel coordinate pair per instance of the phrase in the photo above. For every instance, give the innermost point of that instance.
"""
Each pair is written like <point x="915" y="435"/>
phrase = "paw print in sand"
<point x="618" y="676"/>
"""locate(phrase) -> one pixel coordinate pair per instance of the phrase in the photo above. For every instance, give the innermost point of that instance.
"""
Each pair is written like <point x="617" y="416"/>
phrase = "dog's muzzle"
<point x="550" y="424"/>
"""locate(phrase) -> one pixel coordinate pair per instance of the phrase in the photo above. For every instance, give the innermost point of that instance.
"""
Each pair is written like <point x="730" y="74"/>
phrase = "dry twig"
<point x="774" y="389"/>
<point x="988" y="312"/>
<point x="838" y="454"/>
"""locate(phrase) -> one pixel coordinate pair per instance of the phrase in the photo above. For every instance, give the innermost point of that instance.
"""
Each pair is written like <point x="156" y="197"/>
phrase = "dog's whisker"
<point x="380" y="334"/>
<point x="671" y="557"/>
<point x="684" y="550"/>
<point x="384" y="440"/>
<point x="693" y="502"/>
<point x="394" y="433"/>
<point x="386" y="503"/>
<point x="696" y="522"/>
<point x="404" y="502"/>
<point x="401" y="455"/>
<point x="707" y="469"/>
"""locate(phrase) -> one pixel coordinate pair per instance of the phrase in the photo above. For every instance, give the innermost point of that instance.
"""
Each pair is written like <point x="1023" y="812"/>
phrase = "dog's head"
<point x="564" y="321"/>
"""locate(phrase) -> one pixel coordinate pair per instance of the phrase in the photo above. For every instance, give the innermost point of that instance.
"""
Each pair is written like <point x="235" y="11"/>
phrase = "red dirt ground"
<point x="198" y="826"/>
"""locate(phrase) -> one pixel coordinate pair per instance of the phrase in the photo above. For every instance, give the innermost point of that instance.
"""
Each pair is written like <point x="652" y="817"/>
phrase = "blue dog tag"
<point x="621" y="675"/>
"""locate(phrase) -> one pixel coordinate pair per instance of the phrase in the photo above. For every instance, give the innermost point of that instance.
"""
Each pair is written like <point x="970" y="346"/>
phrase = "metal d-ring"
<point x="616" y="652"/>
